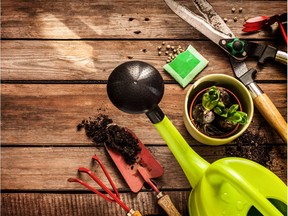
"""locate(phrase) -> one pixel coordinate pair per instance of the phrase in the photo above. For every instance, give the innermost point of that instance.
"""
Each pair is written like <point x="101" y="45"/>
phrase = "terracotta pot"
<point x="229" y="83"/>
<point x="200" y="94"/>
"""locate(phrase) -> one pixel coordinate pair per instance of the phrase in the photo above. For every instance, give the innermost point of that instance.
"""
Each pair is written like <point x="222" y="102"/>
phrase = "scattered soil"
<point x="253" y="147"/>
<point x="101" y="130"/>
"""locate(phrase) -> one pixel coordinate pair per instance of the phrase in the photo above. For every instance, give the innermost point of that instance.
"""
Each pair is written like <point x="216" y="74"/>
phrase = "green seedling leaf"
<point x="233" y="109"/>
<point x="210" y="98"/>
<point x="212" y="101"/>
<point x="221" y="111"/>
<point x="238" y="117"/>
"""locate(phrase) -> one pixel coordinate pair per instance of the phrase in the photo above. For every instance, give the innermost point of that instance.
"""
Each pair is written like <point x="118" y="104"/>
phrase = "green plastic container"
<point x="230" y="186"/>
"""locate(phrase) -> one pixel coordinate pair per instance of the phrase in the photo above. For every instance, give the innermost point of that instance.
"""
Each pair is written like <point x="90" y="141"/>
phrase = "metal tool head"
<point x="145" y="160"/>
<point x="212" y="26"/>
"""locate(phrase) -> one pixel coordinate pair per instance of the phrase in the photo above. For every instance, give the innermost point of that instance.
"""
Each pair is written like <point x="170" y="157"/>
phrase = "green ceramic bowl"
<point x="233" y="85"/>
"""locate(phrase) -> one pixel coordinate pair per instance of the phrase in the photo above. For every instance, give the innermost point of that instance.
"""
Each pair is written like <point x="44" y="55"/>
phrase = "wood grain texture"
<point x="272" y="115"/>
<point x="49" y="114"/>
<point x="166" y="203"/>
<point x="48" y="168"/>
<point x="119" y="19"/>
<point x="95" y="60"/>
<point x="56" y="57"/>
<point x="19" y="204"/>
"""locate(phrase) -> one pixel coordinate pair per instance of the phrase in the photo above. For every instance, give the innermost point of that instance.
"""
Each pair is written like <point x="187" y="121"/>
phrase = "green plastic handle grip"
<point x="219" y="172"/>
<point x="191" y="163"/>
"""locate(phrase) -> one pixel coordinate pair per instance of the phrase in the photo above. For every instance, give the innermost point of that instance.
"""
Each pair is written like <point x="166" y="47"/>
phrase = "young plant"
<point x="215" y="99"/>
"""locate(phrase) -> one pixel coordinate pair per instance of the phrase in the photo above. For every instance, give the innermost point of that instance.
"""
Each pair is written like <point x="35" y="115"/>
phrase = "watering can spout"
<point x="191" y="163"/>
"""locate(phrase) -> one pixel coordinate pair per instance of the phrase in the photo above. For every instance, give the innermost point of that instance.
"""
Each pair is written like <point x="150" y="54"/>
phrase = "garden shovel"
<point x="130" y="172"/>
<point x="145" y="168"/>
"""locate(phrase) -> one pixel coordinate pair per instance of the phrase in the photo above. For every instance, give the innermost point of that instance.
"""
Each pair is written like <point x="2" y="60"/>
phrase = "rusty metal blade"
<point x="206" y="9"/>
<point x="214" y="29"/>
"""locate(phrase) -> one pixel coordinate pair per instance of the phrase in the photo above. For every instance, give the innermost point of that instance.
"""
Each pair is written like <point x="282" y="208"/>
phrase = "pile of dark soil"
<point x="251" y="146"/>
<point x="101" y="130"/>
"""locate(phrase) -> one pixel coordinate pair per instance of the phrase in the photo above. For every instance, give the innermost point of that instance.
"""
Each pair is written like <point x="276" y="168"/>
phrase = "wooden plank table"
<point x="56" y="57"/>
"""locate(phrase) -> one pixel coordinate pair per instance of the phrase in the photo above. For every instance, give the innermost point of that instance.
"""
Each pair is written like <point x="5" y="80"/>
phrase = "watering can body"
<point x="229" y="186"/>
<point x="236" y="186"/>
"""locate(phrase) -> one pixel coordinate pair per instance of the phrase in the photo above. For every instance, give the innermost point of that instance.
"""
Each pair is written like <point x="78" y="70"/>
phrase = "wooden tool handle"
<point x="166" y="203"/>
<point x="271" y="114"/>
<point x="281" y="57"/>
<point x="134" y="213"/>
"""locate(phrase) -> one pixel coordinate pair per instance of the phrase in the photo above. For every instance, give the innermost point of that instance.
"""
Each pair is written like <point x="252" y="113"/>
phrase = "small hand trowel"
<point x="129" y="172"/>
<point x="145" y="168"/>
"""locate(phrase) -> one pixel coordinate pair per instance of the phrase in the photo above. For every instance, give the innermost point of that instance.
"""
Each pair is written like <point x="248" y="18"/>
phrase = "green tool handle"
<point x="191" y="163"/>
<point x="218" y="173"/>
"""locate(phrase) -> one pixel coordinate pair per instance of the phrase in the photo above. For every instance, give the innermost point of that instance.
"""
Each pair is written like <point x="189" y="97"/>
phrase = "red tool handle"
<point x="283" y="31"/>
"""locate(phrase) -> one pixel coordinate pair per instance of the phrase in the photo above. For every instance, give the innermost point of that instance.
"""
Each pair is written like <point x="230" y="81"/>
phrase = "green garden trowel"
<point x="229" y="186"/>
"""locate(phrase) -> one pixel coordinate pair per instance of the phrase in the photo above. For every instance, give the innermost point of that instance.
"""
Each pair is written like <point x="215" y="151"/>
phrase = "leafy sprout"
<point x="212" y="101"/>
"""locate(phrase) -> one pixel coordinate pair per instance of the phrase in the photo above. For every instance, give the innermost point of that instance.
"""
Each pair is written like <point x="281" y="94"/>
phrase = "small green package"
<point x="186" y="66"/>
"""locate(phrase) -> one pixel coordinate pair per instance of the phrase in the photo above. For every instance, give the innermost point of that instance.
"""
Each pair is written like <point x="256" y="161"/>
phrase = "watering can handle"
<point x="246" y="189"/>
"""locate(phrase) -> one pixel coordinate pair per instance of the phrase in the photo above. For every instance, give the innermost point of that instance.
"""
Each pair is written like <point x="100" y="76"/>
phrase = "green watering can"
<point x="229" y="186"/>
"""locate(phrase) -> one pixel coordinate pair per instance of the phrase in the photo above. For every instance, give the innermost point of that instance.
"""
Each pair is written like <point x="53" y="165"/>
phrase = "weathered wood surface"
<point x="48" y="168"/>
<point x="48" y="114"/>
<point x="56" y="57"/>
<point x="119" y="19"/>
<point x="67" y="204"/>
<point x="94" y="60"/>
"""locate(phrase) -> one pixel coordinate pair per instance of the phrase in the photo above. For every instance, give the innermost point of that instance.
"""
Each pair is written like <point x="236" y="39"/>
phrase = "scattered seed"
<point x="225" y="20"/>
<point x="246" y="18"/>
<point x="240" y="9"/>
<point x="130" y="57"/>
<point x="235" y="19"/>
<point x="146" y="19"/>
<point x="233" y="10"/>
<point x="144" y="50"/>
<point x="171" y="51"/>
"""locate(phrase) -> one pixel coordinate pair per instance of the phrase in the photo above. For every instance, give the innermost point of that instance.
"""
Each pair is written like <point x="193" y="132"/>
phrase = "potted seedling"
<point x="218" y="108"/>
<point x="217" y="112"/>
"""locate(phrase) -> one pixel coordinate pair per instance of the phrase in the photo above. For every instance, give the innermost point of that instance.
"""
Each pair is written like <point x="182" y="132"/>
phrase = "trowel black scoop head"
<point x="135" y="87"/>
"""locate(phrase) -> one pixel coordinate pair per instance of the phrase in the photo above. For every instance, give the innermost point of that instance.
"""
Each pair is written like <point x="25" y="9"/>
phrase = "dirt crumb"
<point x="101" y="130"/>
<point x="253" y="147"/>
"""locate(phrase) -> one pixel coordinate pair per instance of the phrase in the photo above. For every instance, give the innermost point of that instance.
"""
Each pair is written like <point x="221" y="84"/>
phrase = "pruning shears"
<point x="214" y="28"/>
